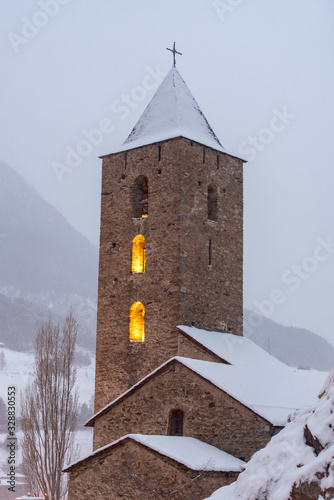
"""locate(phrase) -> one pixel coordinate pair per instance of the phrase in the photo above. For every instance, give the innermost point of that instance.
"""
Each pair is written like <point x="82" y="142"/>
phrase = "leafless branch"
<point x="49" y="410"/>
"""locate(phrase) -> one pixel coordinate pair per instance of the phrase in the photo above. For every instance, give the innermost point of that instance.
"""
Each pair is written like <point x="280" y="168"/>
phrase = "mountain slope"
<point x="39" y="250"/>
<point x="46" y="266"/>
<point x="293" y="346"/>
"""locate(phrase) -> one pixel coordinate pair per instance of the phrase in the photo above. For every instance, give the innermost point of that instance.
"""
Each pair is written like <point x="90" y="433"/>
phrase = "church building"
<point x="182" y="399"/>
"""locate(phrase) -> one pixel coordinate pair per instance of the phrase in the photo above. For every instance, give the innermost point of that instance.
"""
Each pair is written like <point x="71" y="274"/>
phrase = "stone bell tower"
<point x="171" y="242"/>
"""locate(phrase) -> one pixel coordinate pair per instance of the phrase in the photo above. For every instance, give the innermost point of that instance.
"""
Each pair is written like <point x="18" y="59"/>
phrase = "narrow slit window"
<point x="213" y="202"/>
<point x="137" y="322"/>
<point x="144" y="200"/>
<point x="210" y="252"/>
<point x="175" y="425"/>
<point x="138" y="254"/>
<point x="140" y="197"/>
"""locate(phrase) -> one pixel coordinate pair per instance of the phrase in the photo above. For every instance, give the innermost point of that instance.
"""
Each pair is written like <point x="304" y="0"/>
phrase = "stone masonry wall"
<point x="211" y="286"/>
<point x="209" y="414"/>
<point x="131" y="471"/>
<point x="188" y="348"/>
<point x="178" y="286"/>
<point x="120" y="363"/>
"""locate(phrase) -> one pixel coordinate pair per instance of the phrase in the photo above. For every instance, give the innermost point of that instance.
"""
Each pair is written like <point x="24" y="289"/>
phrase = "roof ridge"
<point x="173" y="111"/>
<point x="146" y="441"/>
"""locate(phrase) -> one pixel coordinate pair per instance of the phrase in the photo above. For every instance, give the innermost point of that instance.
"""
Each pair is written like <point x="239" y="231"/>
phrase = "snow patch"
<point x="271" y="393"/>
<point x="234" y="349"/>
<point x="172" y="112"/>
<point x="288" y="459"/>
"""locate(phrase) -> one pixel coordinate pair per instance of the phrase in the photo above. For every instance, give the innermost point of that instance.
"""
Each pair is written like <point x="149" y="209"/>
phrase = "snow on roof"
<point x="287" y="459"/>
<point x="27" y="497"/>
<point x="273" y="393"/>
<point x="172" y="112"/>
<point x="256" y="379"/>
<point x="191" y="452"/>
<point x="188" y="451"/>
<point x="235" y="349"/>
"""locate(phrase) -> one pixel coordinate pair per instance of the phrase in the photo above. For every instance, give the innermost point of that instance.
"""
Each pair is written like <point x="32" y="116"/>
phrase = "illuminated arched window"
<point x="138" y="254"/>
<point x="140" y="197"/>
<point x="213" y="202"/>
<point x="137" y="322"/>
<point x="175" y="424"/>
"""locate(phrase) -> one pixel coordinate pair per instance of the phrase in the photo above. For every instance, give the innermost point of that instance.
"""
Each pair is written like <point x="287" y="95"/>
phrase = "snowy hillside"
<point x="46" y="266"/>
<point x="16" y="368"/>
<point x="296" y="463"/>
<point x="21" y="318"/>
<point x="39" y="250"/>
<point x="296" y="347"/>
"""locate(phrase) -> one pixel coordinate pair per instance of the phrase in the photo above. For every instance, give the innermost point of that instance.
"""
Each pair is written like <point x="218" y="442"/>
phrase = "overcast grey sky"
<point x="262" y="72"/>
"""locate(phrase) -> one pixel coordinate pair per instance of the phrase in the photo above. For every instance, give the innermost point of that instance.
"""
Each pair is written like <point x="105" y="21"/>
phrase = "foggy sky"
<point x="261" y="71"/>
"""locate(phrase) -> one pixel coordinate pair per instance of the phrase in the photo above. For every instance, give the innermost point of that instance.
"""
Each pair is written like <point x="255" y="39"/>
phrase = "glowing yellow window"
<point x="137" y="322"/>
<point x="138" y="254"/>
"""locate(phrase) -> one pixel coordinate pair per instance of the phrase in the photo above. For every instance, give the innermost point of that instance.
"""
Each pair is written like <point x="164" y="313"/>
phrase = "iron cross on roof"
<point x="174" y="52"/>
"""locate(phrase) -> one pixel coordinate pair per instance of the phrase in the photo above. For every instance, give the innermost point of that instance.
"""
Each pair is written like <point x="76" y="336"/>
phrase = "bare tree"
<point x="3" y="416"/>
<point x="3" y="362"/>
<point x="49" y="410"/>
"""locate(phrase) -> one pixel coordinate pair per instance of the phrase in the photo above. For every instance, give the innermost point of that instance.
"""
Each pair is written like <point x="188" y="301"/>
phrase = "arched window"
<point x="137" y="322"/>
<point x="140" y="197"/>
<point x="138" y="254"/>
<point x="175" y="424"/>
<point x="213" y="202"/>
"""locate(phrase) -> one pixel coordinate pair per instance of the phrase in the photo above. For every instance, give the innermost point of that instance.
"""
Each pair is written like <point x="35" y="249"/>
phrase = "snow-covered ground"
<point x="19" y="367"/>
<point x="84" y="439"/>
<point x="289" y="459"/>
<point x="16" y="372"/>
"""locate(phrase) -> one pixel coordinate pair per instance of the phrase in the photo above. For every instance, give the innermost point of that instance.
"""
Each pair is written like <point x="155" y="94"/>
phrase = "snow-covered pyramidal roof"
<point x="172" y="112"/>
